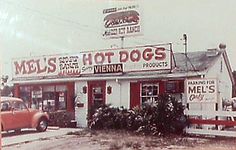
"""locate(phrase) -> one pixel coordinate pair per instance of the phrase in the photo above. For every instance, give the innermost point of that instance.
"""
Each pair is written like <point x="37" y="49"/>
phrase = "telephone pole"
<point x="185" y="44"/>
<point x="185" y="50"/>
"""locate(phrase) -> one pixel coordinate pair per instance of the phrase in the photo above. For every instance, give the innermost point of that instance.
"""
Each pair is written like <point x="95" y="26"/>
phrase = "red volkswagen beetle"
<point x="15" y="116"/>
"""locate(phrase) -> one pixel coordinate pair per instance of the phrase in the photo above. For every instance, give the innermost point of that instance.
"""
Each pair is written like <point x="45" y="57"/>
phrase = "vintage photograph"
<point x="118" y="74"/>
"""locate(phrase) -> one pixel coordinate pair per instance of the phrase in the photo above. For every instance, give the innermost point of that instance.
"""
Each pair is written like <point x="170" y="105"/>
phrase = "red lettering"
<point x="20" y="68"/>
<point x="31" y="66"/>
<point x="135" y="56"/>
<point x="40" y="70"/>
<point x="88" y="59"/>
<point x="99" y="58"/>
<point x="109" y="54"/>
<point x="52" y="65"/>
<point x="124" y="55"/>
<point x="160" y="53"/>
<point x="147" y="54"/>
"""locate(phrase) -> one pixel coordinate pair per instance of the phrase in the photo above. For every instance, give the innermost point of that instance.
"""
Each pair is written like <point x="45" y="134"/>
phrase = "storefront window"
<point x="54" y="98"/>
<point x="49" y="105"/>
<point x="48" y="101"/>
<point x="61" y="91"/>
<point x="25" y="94"/>
<point x="62" y="101"/>
<point x="45" y="97"/>
<point x="171" y="87"/>
<point x="36" y="95"/>
<point x="149" y="93"/>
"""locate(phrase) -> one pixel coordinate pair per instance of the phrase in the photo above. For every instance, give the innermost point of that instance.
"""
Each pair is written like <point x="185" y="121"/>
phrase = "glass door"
<point x="96" y="95"/>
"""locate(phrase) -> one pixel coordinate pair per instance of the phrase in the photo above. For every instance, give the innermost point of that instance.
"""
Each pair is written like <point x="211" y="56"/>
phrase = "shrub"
<point x="163" y="117"/>
<point x="60" y="118"/>
<point x="107" y="117"/>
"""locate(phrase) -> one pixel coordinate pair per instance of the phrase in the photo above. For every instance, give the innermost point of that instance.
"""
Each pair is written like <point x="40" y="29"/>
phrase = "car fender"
<point x="37" y="117"/>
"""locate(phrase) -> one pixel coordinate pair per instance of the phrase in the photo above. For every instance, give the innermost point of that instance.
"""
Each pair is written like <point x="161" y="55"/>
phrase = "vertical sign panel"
<point x="201" y="90"/>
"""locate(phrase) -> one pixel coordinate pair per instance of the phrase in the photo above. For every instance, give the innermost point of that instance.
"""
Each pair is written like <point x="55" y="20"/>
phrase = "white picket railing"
<point x="213" y="123"/>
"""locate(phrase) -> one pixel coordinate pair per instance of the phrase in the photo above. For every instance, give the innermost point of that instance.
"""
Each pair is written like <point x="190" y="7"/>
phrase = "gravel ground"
<point x="118" y="140"/>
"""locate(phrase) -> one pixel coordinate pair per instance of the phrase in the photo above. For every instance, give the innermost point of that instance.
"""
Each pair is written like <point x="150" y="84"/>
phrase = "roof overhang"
<point x="136" y="76"/>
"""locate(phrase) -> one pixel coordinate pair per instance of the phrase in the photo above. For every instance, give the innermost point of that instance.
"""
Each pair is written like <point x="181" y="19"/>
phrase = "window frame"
<point x="9" y="106"/>
<point x="151" y="97"/>
<point x="21" y="108"/>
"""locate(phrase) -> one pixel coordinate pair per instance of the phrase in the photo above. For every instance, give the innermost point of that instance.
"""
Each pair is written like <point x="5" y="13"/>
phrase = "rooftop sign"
<point x="121" y="22"/>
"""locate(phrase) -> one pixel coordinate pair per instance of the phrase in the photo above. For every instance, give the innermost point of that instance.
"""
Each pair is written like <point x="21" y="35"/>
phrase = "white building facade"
<point x="125" y="77"/>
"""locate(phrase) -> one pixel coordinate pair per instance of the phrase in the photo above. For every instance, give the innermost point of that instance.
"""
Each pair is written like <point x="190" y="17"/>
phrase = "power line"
<point x="48" y="15"/>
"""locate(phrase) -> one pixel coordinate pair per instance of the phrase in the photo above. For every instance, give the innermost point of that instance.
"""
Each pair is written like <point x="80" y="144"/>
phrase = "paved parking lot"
<point x="28" y="135"/>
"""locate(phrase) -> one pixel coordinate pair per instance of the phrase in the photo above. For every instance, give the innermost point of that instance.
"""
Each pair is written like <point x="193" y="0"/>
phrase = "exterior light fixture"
<point x="109" y="90"/>
<point x="84" y="89"/>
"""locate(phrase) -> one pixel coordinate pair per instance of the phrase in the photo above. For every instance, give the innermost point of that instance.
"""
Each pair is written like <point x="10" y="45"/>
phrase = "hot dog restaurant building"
<point x="126" y="77"/>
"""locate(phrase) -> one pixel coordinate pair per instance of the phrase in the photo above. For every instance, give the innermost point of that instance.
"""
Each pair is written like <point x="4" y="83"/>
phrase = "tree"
<point x="6" y="90"/>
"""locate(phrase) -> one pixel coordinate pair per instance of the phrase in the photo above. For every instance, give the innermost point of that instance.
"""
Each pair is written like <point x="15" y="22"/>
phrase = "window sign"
<point x="37" y="92"/>
<point x="171" y="87"/>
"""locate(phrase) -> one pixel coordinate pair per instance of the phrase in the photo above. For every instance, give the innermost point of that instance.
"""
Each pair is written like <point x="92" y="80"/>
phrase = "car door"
<point x="6" y="115"/>
<point x="21" y="115"/>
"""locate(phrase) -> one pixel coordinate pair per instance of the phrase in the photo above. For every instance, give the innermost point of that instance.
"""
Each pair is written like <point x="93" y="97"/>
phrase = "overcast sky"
<point x="33" y="27"/>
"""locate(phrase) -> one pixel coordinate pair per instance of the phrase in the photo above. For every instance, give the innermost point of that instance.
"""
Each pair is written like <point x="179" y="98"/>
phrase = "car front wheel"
<point x="42" y="125"/>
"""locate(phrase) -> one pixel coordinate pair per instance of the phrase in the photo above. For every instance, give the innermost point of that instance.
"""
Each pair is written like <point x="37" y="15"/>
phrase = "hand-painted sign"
<point x="121" y="21"/>
<point x="133" y="59"/>
<point x="144" y="58"/>
<point x="201" y="90"/>
<point x="37" y="66"/>
<point x="69" y="66"/>
<point x="47" y="66"/>
<point x="109" y="68"/>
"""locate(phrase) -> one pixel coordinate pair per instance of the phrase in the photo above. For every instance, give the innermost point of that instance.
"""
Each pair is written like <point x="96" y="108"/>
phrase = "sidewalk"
<point x="29" y="135"/>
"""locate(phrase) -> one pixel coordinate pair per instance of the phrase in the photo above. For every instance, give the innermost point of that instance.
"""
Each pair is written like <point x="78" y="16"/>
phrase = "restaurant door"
<point x="96" y="95"/>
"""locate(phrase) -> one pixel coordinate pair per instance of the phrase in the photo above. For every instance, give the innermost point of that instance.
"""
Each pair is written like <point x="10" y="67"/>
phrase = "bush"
<point x="107" y="117"/>
<point x="164" y="117"/>
<point x="60" y="118"/>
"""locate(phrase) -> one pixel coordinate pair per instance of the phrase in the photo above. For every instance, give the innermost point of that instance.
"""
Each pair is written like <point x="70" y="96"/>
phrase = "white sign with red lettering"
<point x="133" y="59"/>
<point x="121" y="21"/>
<point x="144" y="58"/>
<point x="201" y="90"/>
<point x="66" y="65"/>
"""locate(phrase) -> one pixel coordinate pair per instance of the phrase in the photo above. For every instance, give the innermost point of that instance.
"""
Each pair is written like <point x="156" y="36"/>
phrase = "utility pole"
<point x="185" y="43"/>
<point x="186" y="62"/>
<point x="185" y="50"/>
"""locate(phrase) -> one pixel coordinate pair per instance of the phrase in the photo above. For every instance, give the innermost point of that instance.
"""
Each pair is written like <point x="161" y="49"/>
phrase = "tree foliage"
<point x="6" y="90"/>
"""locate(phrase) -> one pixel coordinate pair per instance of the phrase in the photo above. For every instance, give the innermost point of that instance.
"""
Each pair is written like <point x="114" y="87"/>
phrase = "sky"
<point x="31" y="28"/>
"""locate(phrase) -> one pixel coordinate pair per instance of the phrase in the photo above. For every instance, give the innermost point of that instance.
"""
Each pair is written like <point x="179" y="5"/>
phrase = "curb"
<point x="27" y="138"/>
